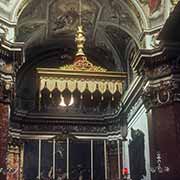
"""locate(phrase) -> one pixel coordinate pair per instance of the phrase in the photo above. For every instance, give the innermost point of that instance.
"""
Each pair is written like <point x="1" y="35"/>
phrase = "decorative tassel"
<point x="91" y="97"/>
<point x="81" y="97"/>
<point x="102" y="98"/>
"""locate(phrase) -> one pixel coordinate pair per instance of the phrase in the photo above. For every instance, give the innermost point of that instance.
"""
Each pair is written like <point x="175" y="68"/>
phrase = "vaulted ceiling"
<point x="110" y="25"/>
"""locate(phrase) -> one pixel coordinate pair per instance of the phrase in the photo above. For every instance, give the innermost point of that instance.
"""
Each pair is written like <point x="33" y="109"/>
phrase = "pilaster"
<point x="6" y="97"/>
<point x="4" y="118"/>
<point x="161" y="96"/>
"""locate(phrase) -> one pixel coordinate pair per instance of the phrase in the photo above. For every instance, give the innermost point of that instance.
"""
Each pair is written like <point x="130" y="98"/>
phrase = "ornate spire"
<point x="81" y="62"/>
<point x="80" y="40"/>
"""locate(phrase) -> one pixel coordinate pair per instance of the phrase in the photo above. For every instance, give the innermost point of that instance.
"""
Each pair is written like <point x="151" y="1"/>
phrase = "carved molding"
<point x="66" y="128"/>
<point x="161" y="93"/>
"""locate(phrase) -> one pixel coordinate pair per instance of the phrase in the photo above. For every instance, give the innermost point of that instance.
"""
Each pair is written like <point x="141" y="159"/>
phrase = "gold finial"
<point x="80" y="40"/>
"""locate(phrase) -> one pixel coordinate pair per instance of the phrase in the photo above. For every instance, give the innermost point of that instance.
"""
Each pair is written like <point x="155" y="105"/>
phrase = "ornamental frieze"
<point x="161" y="93"/>
<point x="65" y="128"/>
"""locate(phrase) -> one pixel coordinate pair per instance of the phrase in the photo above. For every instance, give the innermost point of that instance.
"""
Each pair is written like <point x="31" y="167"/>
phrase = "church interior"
<point x="89" y="90"/>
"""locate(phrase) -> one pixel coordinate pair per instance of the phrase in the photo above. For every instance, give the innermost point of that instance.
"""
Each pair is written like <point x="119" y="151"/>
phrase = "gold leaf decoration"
<point x="82" y="64"/>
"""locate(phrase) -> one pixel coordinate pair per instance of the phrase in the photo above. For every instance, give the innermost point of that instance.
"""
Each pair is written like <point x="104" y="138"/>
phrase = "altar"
<point x="74" y="159"/>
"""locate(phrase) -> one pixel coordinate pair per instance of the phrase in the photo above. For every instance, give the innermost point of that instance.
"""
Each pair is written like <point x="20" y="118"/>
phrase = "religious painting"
<point x="137" y="155"/>
<point x="25" y="31"/>
<point x="152" y="4"/>
<point x="36" y="10"/>
<point x="32" y="20"/>
<point x="153" y="8"/>
<point x="64" y="16"/>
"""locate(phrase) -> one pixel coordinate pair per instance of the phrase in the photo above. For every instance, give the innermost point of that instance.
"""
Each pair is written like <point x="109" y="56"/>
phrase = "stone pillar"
<point x="5" y="97"/>
<point x="162" y="100"/>
<point x="3" y="136"/>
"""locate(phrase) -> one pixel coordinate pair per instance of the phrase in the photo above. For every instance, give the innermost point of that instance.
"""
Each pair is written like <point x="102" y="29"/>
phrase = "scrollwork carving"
<point x="160" y="94"/>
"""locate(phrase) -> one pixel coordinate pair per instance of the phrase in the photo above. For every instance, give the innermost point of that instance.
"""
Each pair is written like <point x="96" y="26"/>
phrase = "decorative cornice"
<point x="162" y="54"/>
<point x="16" y="46"/>
<point x="150" y="31"/>
<point x="26" y="135"/>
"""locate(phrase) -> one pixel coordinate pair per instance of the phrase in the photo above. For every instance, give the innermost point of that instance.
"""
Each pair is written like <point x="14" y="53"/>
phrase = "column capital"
<point x="161" y="92"/>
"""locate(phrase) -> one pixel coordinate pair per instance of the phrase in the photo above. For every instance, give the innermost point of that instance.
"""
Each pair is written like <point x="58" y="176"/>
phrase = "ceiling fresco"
<point x="61" y="17"/>
<point x="64" y="16"/>
<point x="109" y="24"/>
<point x="153" y="9"/>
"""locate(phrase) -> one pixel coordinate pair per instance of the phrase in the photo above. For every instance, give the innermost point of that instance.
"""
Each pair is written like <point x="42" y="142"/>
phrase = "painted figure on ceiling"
<point x="152" y="4"/>
<point x="153" y="8"/>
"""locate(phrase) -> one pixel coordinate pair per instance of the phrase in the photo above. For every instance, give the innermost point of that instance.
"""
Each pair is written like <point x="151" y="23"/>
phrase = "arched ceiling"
<point x="133" y="16"/>
<point x="61" y="16"/>
<point x="11" y="9"/>
<point x="110" y="25"/>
